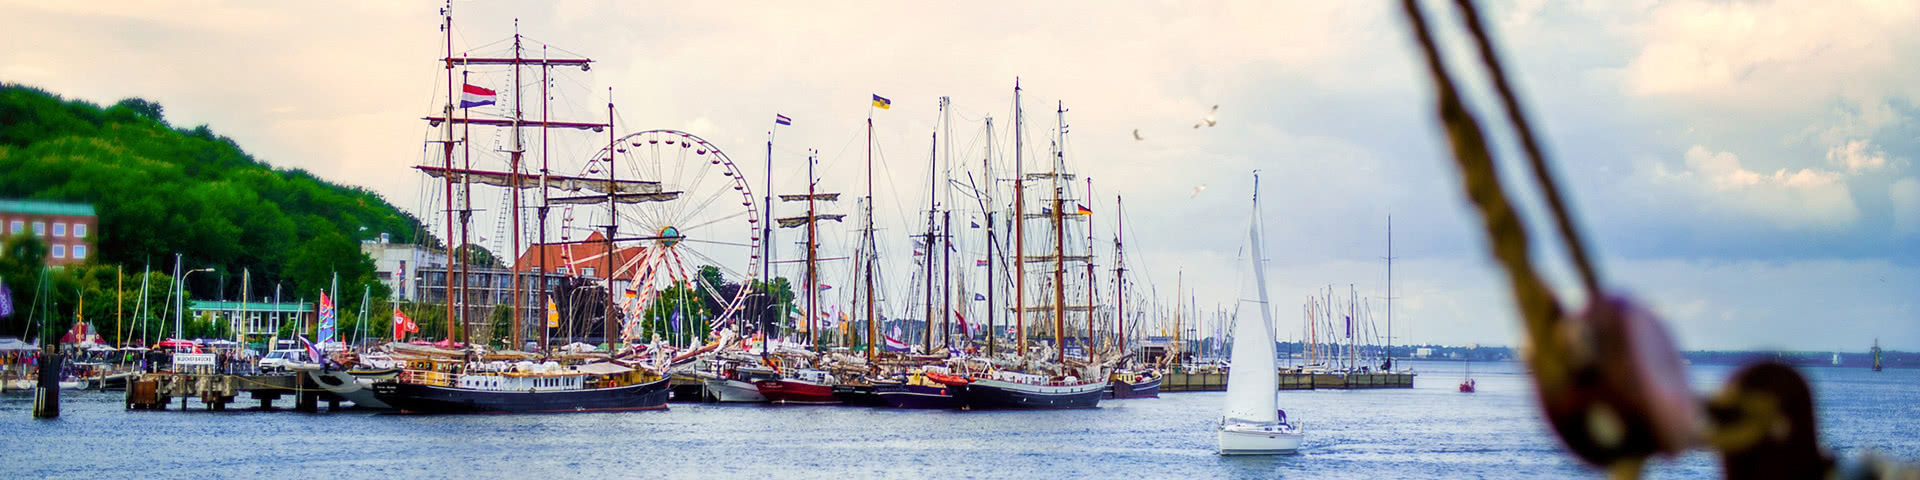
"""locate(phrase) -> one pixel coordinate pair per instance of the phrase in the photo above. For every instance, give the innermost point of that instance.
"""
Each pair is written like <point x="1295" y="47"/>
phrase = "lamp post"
<point x="179" y="310"/>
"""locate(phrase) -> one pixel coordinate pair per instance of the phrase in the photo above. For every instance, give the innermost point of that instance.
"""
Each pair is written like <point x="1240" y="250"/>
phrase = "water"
<point x="1427" y="432"/>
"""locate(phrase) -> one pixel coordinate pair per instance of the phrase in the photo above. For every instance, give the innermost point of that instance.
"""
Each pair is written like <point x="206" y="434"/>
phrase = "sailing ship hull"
<point x="1259" y="441"/>
<point x="1144" y="389"/>
<point x="919" y="397"/>
<point x="988" y="394"/>
<point x="417" y="398"/>
<point x="795" y="391"/>
<point x="866" y="395"/>
<point x="734" y="391"/>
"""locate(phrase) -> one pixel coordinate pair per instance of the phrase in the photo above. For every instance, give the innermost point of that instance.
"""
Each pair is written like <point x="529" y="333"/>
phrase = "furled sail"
<point x="791" y="222"/>
<point x="563" y="182"/>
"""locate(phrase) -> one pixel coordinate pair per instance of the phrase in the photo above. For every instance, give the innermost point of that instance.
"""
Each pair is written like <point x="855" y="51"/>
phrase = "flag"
<point x="1349" y="326"/>
<point x="675" y="322"/>
<point x="882" y="102"/>
<point x="893" y="339"/>
<point x="1012" y="331"/>
<point x="979" y="298"/>
<point x="980" y="262"/>
<point x="402" y="325"/>
<point x="963" y="323"/>
<point x="1083" y="209"/>
<point x="553" y="313"/>
<point x="311" y="350"/>
<point x="474" y="96"/>
<point x="919" y="246"/>
<point x="326" y="318"/>
<point x="975" y="224"/>
<point x="825" y="287"/>
<point x="1046" y="211"/>
<point x="779" y="119"/>
<point x="6" y="300"/>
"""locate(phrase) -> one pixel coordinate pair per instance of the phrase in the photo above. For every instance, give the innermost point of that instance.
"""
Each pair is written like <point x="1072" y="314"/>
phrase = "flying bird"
<point x="1196" y="191"/>
<point x="1212" y="116"/>
<point x="1136" y="135"/>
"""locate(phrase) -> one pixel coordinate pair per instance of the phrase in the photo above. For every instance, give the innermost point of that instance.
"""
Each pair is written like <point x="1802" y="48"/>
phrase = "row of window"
<point x="40" y="228"/>
<point x="79" y="251"/>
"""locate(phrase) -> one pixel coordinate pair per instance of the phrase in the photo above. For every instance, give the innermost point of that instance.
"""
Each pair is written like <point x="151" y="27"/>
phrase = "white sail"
<point x="1253" y="382"/>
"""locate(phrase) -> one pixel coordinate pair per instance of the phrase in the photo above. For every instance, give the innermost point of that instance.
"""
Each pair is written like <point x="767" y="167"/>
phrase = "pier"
<point x="1216" y="380"/>
<point x="153" y="391"/>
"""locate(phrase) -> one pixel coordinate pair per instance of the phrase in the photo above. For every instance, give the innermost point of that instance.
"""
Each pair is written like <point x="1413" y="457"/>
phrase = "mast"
<point x="813" y="245"/>
<point x="1179" y="283"/>
<point x="1090" y="284"/>
<point x="1389" y="291"/>
<point x="1019" y="227"/>
<point x="546" y="331"/>
<point x="446" y="142"/>
<point x="946" y="284"/>
<point x="872" y="325"/>
<point x="613" y="227"/>
<point x="466" y="214"/>
<point x="513" y="170"/>
<point x="1059" y="247"/>
<point x="766" y="252"/>
<point x="933" y="205"/>
<point x="1119" y="274"/>
<point x="986" y="165"/>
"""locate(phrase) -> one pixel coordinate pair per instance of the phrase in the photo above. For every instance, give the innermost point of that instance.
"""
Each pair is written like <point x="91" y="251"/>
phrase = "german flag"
<point x="882" y="102"/>
<point x="1083" y="210"/>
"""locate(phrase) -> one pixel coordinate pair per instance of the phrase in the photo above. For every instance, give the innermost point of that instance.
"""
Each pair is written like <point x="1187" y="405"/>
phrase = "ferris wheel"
<point x="701" y="213"/>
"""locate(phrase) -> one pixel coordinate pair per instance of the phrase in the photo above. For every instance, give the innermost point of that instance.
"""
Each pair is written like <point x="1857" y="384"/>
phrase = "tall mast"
<point x="1179" y="283"/>
<point x="1090" y="284"/>
<point x="1119" y="274"/>
<point x="813" y="245"/>
<point x="513" y="170"/>
<point x="545" y="329"/>
<point x="613" y="227"/>
<point x="466" y="215"/>
<point x="933" y="205"/>
<point x="946" y="283"/>
<point x="766" y="254"/>
<point x="986" y="165"/>
<point x="1389" y="291"/>
<point x="872" y="321"/>
<point x="446" y="157"/>
<point x="1059" y="246"/>
<point x="1019" y="227"/>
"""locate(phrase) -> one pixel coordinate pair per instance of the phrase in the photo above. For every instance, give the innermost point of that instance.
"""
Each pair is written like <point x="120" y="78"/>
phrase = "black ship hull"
<point x="1000" y="395"/>
<point x="417" y="398"/>
<point x="1145" y="389"/>
<point x="863" y="395"/>
<point x="919" y="396"/>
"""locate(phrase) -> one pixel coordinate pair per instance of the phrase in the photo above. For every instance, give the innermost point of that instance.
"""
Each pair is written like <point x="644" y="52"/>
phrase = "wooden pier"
<point x="153" y="391"/>
<point x="1216" y="380"/>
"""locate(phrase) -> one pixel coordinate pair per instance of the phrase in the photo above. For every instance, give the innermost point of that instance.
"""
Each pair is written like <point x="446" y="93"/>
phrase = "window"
<point x="588" y="271"/>
<point x="80" y="230"/>
<point x="59" y="251"/>
<point x="79" y="251"/>
<point x="18" y="226"/>
<point x="39" y="228"/>
<point x="59" y="229"/>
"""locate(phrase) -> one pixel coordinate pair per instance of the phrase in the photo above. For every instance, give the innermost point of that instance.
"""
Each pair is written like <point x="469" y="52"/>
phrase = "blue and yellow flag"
<point x="882" y="102"/>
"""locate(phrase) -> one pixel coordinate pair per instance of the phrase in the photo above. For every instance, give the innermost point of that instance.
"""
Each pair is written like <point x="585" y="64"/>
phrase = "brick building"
<point x="68" y="228"/>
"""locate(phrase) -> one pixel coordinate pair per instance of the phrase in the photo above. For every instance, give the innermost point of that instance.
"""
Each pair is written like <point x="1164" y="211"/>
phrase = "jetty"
<point x="154" y="391"/>
<point x="1215" y="380"/>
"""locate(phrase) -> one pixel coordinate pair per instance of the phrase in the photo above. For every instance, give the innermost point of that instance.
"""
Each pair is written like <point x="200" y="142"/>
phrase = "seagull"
<point x="1136" y="135"/>
<point x="1196" y="191"/>
<point x="1211" y="116"/>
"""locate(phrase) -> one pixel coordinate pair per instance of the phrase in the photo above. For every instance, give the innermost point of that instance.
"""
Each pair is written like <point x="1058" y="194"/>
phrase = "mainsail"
<point x="1253" y="382"/>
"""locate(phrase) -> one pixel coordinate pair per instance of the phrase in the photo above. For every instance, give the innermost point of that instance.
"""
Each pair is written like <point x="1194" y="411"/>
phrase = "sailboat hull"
<point x="1259" y="441"/>
<point x="734" y="391"/>
<point x="1144" y="389"/>
<point x="919" y="397"/>
<point x="864" y="395"/>
<point x="988" y="394"/>
<point x="796" y="391"/>
<point x="417" y="398"/>
<point x="355" y="386"/>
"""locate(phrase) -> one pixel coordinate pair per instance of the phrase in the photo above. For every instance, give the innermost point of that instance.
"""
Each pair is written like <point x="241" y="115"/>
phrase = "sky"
<point x="1745" y="168"/>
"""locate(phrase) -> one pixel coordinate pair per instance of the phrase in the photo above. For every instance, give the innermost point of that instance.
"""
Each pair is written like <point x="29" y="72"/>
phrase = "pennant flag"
<point x="779" y="119"/>
<point x="979" y="298"/>
<point x="6" y="301"/>
<point x="553" y="313"/>
<point x="1083" y="209"/>
<point x="402" y="325"/>
<point x="963" y="323"/>
<point x="975" y="224"/>
<point x="326" y="318"/>
<point x="474" y="96"/>
<point x="825" y="287"/>
<point x="882" y="102"/>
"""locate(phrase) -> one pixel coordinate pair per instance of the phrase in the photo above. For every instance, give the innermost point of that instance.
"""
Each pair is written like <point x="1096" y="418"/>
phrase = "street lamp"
<point x="179" y="312"/>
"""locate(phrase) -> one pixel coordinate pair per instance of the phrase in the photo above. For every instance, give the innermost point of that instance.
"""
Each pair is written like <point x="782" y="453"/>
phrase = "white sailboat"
<point x="1253" y="423"/>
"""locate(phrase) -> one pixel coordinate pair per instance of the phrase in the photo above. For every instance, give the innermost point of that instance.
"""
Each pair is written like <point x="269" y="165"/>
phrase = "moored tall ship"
<point x="432" y="386"/>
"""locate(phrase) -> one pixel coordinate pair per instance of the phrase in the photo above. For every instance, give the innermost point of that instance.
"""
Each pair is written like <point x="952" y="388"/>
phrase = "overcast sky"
<point x="1748" y="168"/>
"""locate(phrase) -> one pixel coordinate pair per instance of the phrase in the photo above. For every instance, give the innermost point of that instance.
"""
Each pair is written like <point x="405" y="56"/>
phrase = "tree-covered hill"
<point x="161" y="190"/>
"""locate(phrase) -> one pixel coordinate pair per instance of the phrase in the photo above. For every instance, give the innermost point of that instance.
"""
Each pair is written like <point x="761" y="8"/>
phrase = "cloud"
<point x="1797" y="199"/>
<point x="1857" y="156"/>
<point x="1905" y="197"/>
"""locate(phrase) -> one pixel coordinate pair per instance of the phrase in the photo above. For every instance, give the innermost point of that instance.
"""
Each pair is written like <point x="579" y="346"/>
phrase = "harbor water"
<point x="1430" y="431"/>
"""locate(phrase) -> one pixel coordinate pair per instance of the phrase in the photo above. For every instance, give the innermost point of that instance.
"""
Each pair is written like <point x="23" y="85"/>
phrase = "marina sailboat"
<point x="1253" y="423"/>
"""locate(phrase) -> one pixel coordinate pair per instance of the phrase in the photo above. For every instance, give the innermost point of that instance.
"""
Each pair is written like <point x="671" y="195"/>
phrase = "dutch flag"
<point x="474" y="96"/>
<point x="779" y="119"/>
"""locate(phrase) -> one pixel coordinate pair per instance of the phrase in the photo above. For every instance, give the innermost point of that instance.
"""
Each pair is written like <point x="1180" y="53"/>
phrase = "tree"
<point x="144" y="108"/>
